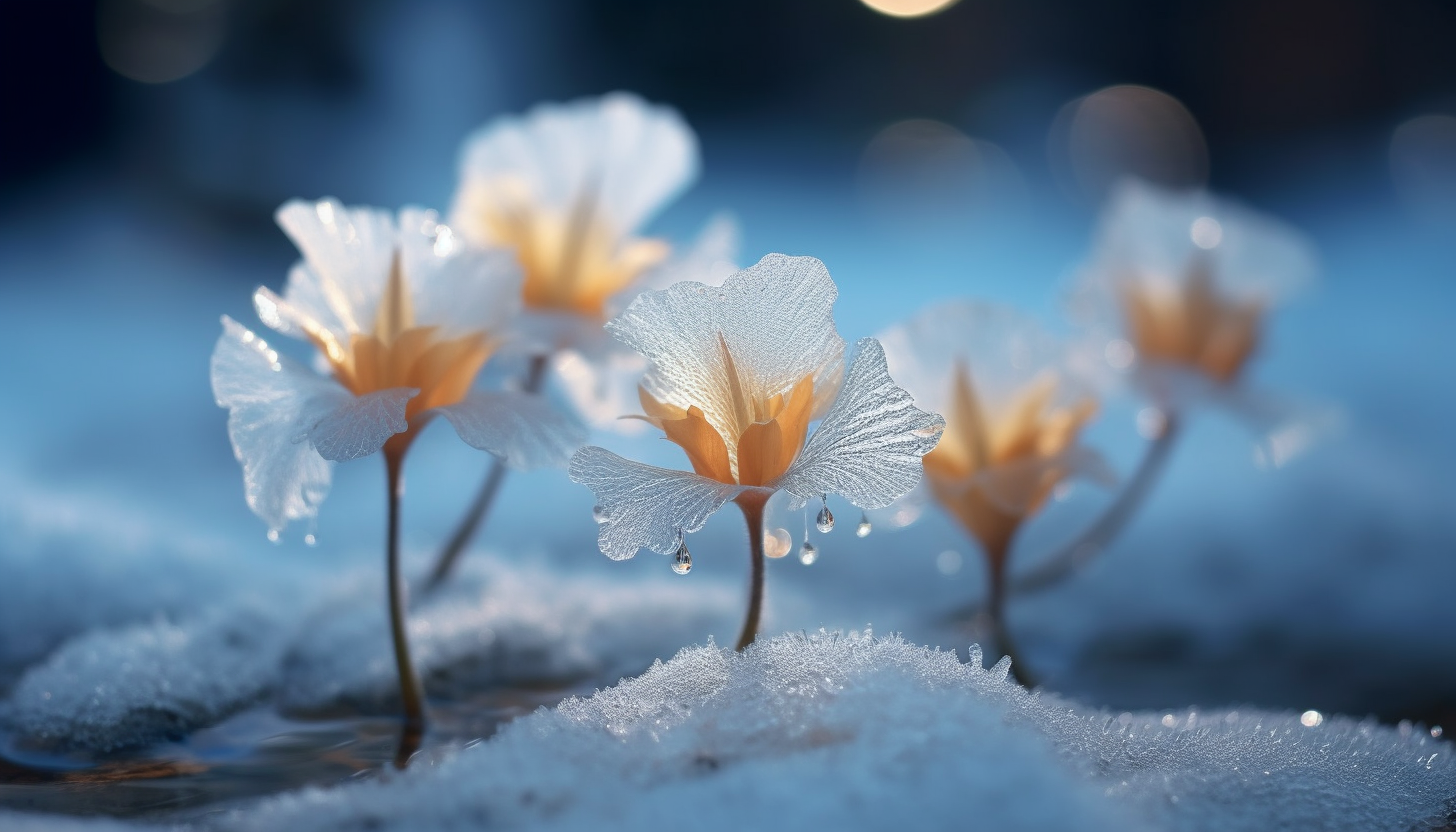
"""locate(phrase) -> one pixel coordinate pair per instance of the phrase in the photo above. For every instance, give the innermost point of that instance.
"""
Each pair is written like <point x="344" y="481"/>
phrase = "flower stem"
<point x="996" y="609"/>
<point x="480" y="508"/>
<point x="1102" y="532"/>
<point x="411" y="694"/>
<point x="752" y="503"/>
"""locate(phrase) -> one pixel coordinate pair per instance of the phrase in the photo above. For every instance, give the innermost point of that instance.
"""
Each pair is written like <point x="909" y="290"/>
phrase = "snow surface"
<point x="851" y="731"/>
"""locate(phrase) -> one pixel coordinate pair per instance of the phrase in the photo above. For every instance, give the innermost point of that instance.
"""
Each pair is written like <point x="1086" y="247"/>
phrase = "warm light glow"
<point x="920" y="172"/>
<point x="909" y="8"/>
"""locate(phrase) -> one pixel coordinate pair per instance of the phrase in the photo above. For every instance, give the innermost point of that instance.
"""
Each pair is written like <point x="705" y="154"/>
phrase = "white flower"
<point x="736" y="375"/>
<point x="1012" y="412"/>
<point x="567" y="188"/>
<point x="1176" y="294"/>
<point x="403" y="318"/>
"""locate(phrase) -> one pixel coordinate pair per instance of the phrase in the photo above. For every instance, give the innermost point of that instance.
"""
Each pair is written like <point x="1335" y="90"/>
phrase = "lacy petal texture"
<point x="736" y="374"/>
<point x="403" y="318"/>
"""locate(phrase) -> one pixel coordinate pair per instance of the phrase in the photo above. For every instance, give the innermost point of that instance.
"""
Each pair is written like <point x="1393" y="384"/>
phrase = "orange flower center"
<point x="573" y="262"/>
<point x="400" y="354"/>
<point x="1028" y="430"/>
<point x="1191" y="324"/>
<point x="763" y="437"/>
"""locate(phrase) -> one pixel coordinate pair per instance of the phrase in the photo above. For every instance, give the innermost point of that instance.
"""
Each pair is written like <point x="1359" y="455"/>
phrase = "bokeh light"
<point x="1126" y="130"/>
<point x="159" y="41"/>
<point x="1423" y="166"/>
<point x="909" y="8"/>
<point x="925" y="174"/>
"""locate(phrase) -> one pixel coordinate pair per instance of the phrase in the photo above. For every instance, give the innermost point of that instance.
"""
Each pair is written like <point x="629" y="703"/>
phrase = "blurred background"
<point x="965" y="151"/>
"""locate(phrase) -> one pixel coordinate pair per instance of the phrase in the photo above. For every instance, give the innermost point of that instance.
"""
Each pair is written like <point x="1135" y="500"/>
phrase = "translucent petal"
<point x="1018" y="486"/>
<point x="710" y="260"/>
<point x="633" y="155"/>
<point x="270" y="400"/>
<point x="1149" y="230"/>
<point x="457" y="287"/>
<point x="775" y="318"/>
<point x="348" y="252"/>
<point x="868" y="446"/>
<point x="602" y="386"/>
<point x="644" y="506"/>
<point x="520" y="428"/>
<point x="1001" y="348"/>
<point x="345" y="426"/>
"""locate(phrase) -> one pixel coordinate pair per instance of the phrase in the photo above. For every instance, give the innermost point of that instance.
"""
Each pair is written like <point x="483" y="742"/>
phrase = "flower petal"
<point x="774" y="318"/>
<point x="523" y="429"/>
<point x="869" y="445"/>
<point x="456" y="287"/>
<point x="643" y="506"/>
<point x="348" y="253"/>
<point x="348" y="427"/>
<point x="633" y="155"/>
<point x="270" y="401"/>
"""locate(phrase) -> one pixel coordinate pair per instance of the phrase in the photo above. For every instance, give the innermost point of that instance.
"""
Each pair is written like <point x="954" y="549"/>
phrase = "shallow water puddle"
<point x="254" y="753"/>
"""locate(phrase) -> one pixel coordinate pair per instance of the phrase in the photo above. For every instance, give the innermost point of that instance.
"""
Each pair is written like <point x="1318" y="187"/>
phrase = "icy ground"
<point x="140" y="601"/>
<point x="836" y="731"/>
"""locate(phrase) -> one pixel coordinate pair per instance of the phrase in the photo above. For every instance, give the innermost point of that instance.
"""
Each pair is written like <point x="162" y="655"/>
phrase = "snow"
<point x="853" y="731"/>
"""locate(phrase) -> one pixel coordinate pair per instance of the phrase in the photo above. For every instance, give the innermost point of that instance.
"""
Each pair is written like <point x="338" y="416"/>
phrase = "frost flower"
<point x="1012" y="415"/>
<point x="736" y="375"/>
<point x="566" y="187"/>
<point x="1190" y="278"/>
<point x="403" y="319"/>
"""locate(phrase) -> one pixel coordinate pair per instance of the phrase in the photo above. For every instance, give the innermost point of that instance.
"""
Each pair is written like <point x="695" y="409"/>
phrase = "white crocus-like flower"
<point x="1013" y="414"/>
<point x="567" y="188"/>
<point x="403" y="318"/>
<point x="736" y="375"/>
<point x="1176" y="294"/>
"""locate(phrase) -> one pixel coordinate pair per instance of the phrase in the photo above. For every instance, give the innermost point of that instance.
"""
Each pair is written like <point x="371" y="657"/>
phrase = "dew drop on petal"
<point x="864" y="528"/>
<point x="824" y="520"/>
<point x="682" y="562"/>
<point x="599" y="514"/>
<point x="808" y="554"/>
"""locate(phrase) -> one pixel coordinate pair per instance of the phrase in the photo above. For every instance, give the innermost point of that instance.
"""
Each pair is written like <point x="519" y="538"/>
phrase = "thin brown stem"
<point x="996" y="609"/>
<point x="479" y="509"/>
<point x="1097" y="536"/>
<point x="411" y="693"/>
<point x="752" y="503"/>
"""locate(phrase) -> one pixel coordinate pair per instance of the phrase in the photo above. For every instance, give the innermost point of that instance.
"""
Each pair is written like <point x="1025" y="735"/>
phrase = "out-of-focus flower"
<point x="1179" y="285"/>
<point x="567" y="188"/>
<point x="403" y="318"/>
<point x="1012" y="415"/>
<point x="737" y="374"/>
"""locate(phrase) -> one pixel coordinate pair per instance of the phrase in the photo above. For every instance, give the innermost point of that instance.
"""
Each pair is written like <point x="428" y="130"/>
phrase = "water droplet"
<point x="824" y="520"/>
<point x="808" y="554"/>
<point x="682" y="562"/>
<point x="273" y="536"/>
<point x="310" y="539"/>
<point x="599" y="514"/>
<point x="864" y="528"/>
<point x="777" y="542"/>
